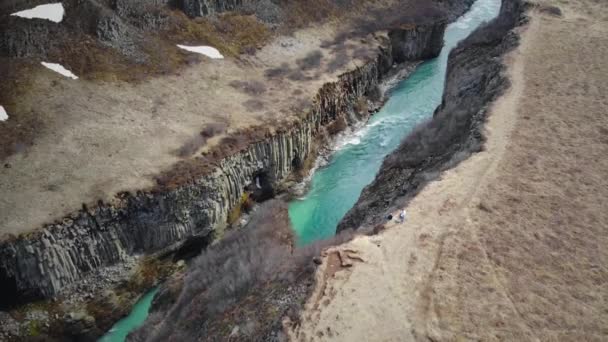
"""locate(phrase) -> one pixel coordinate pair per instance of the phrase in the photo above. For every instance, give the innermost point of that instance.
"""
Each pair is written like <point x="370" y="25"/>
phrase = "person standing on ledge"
<point x="402" y="216"/>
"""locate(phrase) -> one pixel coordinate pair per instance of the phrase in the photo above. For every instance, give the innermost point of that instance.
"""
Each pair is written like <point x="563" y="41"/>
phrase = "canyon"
<point x="454" y="133"/>
<point x="161" y="169"/>
<point x="44" y="262"/>
<point x="191" y="200"/>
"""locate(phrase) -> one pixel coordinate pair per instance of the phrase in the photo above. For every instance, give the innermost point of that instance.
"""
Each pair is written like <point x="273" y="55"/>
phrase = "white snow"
<point x="208" y="51"/>
<point x="60" y="69"/>
<point x="3" y="114"/>
<point x="53" y="12"/>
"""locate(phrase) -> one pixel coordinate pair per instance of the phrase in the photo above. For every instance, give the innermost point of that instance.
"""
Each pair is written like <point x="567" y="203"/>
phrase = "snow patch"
<point x="53" y="12"/>
<point x="208" y="51"/>
<point x="3" y="114"/>
<point x="60" y="69"/>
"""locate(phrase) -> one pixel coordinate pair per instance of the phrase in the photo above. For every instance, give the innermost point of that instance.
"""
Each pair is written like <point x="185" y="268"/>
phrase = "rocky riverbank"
<point x="475" y="77"/>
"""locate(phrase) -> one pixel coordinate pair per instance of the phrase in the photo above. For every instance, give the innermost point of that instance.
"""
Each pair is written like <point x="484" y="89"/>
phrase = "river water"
<point x="136" y="318"/>
<point x="335" y="187"/>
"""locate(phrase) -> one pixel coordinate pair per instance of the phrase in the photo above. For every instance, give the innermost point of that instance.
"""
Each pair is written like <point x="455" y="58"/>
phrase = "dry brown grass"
<point x="232" y="34"/>
<point x="149" y="271"/>
<point x="90" y="60"/>
<point x="545" y="235"/>
<point x="302" y="13"/>
<point x="15" y="82"/>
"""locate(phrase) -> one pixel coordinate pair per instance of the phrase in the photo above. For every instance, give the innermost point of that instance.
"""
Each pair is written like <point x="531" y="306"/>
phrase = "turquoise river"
<point x="335" y="187"/>
<point x="136" y="318"/>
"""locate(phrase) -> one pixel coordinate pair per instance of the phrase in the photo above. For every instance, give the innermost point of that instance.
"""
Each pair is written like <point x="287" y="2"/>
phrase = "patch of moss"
<point x="244" y="204"/>
<point x="51" y="308"/>
<point x="34" y="328"/>
<point x="309" y="161"/>
<point x="149" y="271"/>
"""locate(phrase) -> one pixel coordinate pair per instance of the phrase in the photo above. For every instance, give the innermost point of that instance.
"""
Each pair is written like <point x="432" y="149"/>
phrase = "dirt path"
<point x="508" y="245"/>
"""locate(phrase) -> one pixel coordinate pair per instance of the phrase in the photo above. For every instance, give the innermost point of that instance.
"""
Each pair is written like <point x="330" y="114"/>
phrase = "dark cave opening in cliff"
<point x="296" y="163"/>
<point x="261" y="188"/>
<point x="193" y="247"/>
<point x="10" y="295"/>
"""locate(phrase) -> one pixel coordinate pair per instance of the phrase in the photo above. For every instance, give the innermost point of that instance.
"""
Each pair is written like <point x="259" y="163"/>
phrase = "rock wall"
<point x="119" y="26"/>
<point x="475" y="77"/>
<point x="42" y="263"/>
<point x="12" y="6"/>
<point x="417" y="42"/>
<point x="32" y="40"/>
<point x="200" y="8"/>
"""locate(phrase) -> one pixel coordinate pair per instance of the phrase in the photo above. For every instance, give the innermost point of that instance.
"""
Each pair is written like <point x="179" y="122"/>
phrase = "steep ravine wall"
<point x="475" y="77"/>
<point x="42" y="263"/>
<point x="198" y="8"/>
<point x="433" y="35"/>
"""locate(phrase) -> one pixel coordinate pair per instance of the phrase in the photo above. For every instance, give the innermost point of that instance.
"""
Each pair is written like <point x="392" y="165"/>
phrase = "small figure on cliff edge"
<point x="402" y="216"/>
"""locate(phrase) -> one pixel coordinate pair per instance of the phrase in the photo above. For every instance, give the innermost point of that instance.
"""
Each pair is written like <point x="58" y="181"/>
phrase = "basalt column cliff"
<point x="195" y="198"/>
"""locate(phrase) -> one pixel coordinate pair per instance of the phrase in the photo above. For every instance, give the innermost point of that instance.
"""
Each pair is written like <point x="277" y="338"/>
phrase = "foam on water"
<point x="53" y="12"/>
